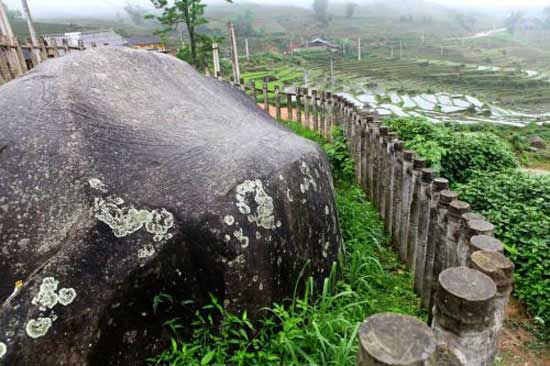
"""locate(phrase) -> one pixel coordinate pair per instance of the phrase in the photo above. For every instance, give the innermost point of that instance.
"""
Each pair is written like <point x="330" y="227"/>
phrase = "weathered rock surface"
<point x="124" y="174"/>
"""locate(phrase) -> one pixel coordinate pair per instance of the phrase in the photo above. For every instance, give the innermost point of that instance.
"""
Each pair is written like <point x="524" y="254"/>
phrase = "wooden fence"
<point x="16" y="59"/>
<point x="460" y="271"/>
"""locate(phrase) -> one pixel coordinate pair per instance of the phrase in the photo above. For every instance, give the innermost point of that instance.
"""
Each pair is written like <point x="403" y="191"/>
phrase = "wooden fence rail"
<point x="16" y="59"/>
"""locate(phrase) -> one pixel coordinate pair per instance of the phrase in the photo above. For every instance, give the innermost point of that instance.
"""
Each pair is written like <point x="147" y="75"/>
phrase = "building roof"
<point x="322" y="42"/>
<point x="143" y="40"/>
<point x="99" y="37"/>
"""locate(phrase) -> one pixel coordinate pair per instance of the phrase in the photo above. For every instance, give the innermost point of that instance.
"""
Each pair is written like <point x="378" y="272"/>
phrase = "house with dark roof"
<point x="321" y="43"/>
<point x="149" y="43"/>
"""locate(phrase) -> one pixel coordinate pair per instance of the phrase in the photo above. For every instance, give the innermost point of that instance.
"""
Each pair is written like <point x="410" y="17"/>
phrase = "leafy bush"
<point x="518" y="205"/>
<point x="466" y="153"/>
<point x="455" y="155"/>
<point x="320" y="326"/>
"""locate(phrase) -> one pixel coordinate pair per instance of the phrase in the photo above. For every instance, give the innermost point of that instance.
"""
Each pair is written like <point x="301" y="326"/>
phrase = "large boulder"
<point x="126" y="174"/>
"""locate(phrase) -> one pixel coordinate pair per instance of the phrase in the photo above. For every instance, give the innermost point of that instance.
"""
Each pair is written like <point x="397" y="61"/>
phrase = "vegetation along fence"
<point x="460" y="271"/>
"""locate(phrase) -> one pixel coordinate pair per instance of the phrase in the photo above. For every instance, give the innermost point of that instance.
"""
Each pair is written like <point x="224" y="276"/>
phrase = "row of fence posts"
<point x="12" y="58"/>
<point x="460" y="272"/>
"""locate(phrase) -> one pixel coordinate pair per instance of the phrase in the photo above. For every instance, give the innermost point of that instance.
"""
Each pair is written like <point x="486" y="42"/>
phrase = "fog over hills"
<point x="105" y="8"/>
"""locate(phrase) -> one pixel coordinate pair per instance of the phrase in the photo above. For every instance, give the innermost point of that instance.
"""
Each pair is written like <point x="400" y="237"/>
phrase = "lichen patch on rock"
<point x="3" y="349"/>
<point x="147" y="251"/>
<point x="253" y="200"/>
<point x="37" y="328"/>
<point x="127" y="220"/>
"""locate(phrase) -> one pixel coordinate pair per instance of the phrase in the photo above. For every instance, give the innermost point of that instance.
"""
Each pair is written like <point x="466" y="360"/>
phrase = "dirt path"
<point x="518" y="346"/>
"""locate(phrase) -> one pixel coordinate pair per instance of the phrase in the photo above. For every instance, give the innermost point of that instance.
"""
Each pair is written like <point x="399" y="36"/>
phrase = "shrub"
<point x="454" y="154"/>
<point x="518" y="205"/>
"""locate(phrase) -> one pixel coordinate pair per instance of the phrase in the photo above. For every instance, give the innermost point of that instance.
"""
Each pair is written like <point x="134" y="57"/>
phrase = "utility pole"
<point x="234" y="54"/>
<point x="400" y="49"/>
<point x="359" y="49"/>
<point x="32" y="31"/>
<point x="246" y="49"/>
<point x="216" y="59"/>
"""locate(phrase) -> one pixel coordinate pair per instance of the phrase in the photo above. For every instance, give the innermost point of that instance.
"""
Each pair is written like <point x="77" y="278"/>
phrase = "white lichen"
<point x="3" y="350"/>
<point x="47" y="297"/>
<point x="327" y="211"/>
<point x="66" y="296"/>
<point x="308" y="178"/>
<point x="289" y="195"/>
<point x="97" y="184"/>
<point x="250" y="194"/>
<point x="229" y="220"/>
<point x="243" y="239"/>
<point x="37" y="328"/>
<point x="147" y="251"/>
<point x="325" y="249"/>
<point x="127" y="220"/>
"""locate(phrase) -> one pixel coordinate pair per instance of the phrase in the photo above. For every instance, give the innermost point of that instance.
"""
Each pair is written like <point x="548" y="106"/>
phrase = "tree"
<point x="350" y="10"/>
<point x="136" y="13"/>
<point x="188" y="12"/>
<point x="244" y="24"/>
<point x="513" y="21"/>
<point x="320" y="8"/>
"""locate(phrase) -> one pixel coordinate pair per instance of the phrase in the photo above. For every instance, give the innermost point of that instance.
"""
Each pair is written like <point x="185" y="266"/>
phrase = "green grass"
<point x="319" y="326"/>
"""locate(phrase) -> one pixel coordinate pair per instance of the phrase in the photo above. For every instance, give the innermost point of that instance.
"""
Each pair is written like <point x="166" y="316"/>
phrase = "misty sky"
<point x="52" y="8"/>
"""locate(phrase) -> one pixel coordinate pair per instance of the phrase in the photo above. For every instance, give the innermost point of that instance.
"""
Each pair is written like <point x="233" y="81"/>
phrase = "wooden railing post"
<point x="266" y="96"/>
<point x="290" y="114"/>
<point x="394" y="339"/>
<point x="277" y="103"/>
<point x="314" y="110"/>
<point x="299" y="104"/>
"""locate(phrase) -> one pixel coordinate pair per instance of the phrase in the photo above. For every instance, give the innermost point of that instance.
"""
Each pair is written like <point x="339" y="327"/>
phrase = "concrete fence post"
<point x="446" y="197"/>
<point x="501" y="271"/>
<point x="485" y="242"/>
<point x="381" y="165"/>
<point x="329" y="119"/>
<point x="439" y="185"/>
<point x="290" y="113"/>
<point x="470" y="229"/>
<point x="388" y="182"/>
<point x="464" y="314"/>
<point x="393" y="339"/>
<point x="277" y="103"/>
<point x="66" y="47"/>
<point x="406" y="181"/>
<point x="322" y="119"/>
<point x="266" y="96"/>
<point x="358" y="149"/>
<point x="426" y="180"/>
<point x="456" y="210"/>
<point x="299" y="105"/>
<point x="364" y="146"/>
<point x="314" y="110"/>
<point x="412" y="232"/>
<point x="307" y="121"/>
<point x="397" y="195"/>
<point x="308" y="111"/>
<point x="384" y="164"/>
<point x="253" y="93"/>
